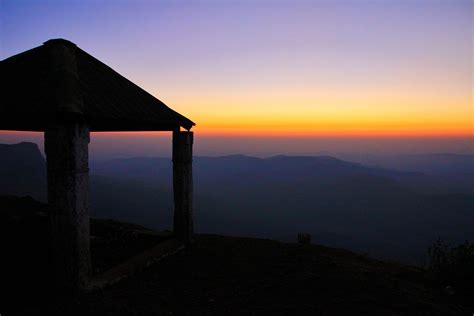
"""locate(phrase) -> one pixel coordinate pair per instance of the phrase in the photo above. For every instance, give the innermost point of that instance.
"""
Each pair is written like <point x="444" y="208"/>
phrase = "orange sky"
<point x="436" y="111"/>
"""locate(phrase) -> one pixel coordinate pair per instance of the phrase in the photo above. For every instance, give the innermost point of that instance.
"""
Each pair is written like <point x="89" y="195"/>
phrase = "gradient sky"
<point x="279" y="73"/>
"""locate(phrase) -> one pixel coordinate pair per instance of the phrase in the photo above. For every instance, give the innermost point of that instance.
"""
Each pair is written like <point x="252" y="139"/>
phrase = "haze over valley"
<point x="393" y="213"/>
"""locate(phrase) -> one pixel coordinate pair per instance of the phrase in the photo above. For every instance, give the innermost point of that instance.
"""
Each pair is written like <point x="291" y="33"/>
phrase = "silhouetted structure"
<point x="60" y="90"/>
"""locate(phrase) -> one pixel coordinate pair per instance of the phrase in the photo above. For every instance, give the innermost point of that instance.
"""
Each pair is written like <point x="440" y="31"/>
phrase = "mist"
<point x="105" y="146"/>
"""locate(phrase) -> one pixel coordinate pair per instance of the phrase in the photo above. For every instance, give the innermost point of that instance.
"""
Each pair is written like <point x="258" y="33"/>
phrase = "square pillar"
<point x="66" y="148"/>
<point x="183" y="185"/>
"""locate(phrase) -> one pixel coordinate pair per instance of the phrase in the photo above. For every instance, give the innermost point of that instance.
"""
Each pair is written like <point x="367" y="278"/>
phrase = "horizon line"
<point x="277" y="134"/>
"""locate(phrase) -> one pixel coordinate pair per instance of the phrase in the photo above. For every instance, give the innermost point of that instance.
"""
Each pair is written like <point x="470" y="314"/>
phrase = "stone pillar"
<point x="183" y="185"/>
<point x="66" y="148"/>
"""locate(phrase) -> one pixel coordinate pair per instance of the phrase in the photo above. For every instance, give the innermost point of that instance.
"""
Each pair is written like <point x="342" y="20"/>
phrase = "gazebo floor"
<point x="120" y="250"/>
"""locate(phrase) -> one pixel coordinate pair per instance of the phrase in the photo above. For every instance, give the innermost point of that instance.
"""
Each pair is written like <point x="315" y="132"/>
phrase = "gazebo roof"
<point x="59" y="82"/>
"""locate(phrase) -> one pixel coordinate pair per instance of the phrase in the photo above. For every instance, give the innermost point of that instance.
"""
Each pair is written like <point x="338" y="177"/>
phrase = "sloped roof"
<point x="59" y="82"/>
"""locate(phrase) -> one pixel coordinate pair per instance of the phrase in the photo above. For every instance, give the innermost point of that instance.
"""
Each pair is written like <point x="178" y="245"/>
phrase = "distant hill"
<point x="343" y="204"/>
<point x="444" y="172"/>
<point x="430" y="163"/>
<point x="22" y="170"/>
<point x="23" y="173"/>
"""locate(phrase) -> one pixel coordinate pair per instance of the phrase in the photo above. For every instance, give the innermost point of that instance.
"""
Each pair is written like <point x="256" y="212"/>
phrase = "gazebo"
<point x="59" y="89"/>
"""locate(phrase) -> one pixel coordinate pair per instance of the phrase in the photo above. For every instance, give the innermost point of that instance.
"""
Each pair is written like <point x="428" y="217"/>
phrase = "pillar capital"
<point x="183" y="146"/>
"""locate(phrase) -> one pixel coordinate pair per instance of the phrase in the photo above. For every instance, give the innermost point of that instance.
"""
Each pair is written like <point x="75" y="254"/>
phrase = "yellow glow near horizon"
<point x="430" y="102"/>
<point x="370" y="115"/>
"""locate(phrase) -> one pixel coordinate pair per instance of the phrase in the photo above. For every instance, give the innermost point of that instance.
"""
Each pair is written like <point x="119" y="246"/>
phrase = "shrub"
<point x="452" y="265"/>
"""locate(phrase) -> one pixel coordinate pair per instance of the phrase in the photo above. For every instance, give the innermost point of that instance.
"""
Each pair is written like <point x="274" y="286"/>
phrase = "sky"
<point x="270" y="77"/>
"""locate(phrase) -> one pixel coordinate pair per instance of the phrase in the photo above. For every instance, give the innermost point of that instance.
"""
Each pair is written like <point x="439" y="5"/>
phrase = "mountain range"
<point x="385" y="212"/>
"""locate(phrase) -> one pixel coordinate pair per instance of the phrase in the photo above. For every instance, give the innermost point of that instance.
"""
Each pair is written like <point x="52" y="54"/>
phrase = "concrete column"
<point x="66" y="149"/>
<point x="183" y="185"/>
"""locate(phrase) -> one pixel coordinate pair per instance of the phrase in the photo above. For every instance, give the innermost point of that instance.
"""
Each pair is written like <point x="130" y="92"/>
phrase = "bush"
<point x="452" y="265"/>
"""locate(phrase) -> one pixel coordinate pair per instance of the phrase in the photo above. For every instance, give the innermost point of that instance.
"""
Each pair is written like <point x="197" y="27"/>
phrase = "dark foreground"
<point x="223" y="275"/>
<point x="229" y="275"/>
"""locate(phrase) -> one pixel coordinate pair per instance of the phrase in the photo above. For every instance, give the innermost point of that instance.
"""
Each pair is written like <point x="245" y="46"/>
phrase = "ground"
<point x="231" y="275"/>
<point x="222" y="275"/>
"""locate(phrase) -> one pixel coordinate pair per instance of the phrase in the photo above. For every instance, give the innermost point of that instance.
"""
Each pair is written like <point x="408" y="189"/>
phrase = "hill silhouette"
<point x="22" y="170"/>
<point x="342" y="204"/>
